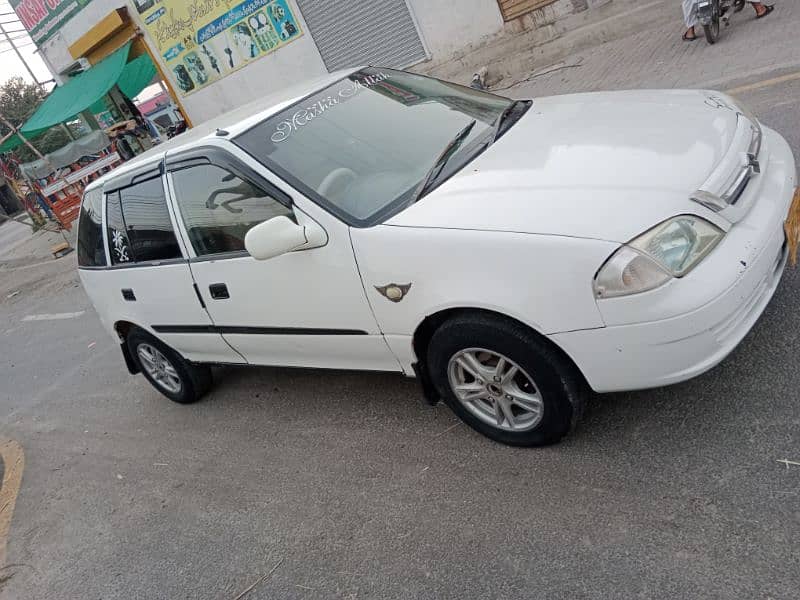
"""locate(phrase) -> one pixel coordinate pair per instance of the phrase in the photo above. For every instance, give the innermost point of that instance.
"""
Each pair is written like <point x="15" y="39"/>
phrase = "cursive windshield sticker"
<point x="304" y="116"/>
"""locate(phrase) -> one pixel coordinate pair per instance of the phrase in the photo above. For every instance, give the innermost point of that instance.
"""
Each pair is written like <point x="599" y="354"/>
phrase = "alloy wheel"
<point x="495" y="389"/>
<point x="159" y="368"/>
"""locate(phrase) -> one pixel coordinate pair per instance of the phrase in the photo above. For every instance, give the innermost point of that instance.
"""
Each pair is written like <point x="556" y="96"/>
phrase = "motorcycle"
<point x="711" y="12"/>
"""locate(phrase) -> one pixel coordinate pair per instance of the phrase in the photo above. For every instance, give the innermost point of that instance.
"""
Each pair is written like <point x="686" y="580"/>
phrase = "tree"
<point x="18" y="101"/>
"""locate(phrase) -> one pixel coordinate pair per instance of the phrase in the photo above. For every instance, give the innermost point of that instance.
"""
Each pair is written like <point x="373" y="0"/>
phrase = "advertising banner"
<point x="201" y="41"/>
<point x="42" y="18"/>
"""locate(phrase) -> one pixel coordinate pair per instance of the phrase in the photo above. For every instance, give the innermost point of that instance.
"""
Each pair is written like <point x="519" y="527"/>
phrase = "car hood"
<point x="601" y="165"/>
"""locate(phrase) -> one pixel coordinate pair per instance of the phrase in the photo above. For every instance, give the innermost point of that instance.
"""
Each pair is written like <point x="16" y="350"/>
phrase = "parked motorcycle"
<point x="711" y="12"/>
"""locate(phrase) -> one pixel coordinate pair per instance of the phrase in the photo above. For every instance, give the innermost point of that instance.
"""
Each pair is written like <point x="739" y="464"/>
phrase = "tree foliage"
<point x="18" y="101"/>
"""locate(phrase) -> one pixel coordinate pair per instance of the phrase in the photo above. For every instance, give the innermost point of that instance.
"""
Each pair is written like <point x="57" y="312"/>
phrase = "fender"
<point x="705" y="11"/>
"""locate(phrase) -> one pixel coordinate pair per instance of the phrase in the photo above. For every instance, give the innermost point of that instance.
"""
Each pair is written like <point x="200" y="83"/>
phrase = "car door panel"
<point x="164" y="302"/>
<point x="305" y="308"/>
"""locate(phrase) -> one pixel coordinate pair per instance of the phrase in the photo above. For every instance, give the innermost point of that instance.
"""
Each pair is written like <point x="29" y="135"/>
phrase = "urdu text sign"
<point x="42" y="18"/>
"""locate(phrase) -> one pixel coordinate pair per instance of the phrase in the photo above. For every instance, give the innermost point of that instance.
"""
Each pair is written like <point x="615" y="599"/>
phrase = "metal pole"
<point x="66" y="130"/>
<point x="19" y="54"/>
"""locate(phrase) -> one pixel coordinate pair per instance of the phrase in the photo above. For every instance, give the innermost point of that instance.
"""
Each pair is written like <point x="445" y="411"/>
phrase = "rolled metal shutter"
<point x="375" y="32"/>
<point x="512" y="9"/>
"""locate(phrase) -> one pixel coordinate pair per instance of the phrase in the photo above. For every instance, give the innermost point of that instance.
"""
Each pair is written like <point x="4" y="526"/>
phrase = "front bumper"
<point x="718" y="302"/>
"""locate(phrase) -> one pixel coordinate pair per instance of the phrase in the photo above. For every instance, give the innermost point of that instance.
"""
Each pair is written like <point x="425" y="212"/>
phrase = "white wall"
<point x="449" y="25"/>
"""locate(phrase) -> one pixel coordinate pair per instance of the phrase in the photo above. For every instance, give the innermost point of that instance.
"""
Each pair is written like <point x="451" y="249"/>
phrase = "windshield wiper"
<point x="442" y="159"/>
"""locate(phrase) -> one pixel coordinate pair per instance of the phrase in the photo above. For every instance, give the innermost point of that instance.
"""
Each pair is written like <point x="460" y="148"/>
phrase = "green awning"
<point x="136" y="76"/>
<point x="78" y="94"/>
<point x="86" y="91"/>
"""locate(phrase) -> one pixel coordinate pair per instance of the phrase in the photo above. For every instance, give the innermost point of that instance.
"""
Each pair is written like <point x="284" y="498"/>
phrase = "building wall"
<point x="56" y="49"/>
<point x="442" y="27"/>
<point x="447" y="26"/>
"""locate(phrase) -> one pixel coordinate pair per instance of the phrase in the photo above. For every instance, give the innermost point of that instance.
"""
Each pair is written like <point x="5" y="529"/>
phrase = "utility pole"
<point x="10" y="40"/>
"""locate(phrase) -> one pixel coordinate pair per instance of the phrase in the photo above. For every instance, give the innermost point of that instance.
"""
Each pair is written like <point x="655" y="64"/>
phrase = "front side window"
<point x="219" y="207"/>
<point x="364" y="145"/>
<point x="138" y="224"/>
<point x="91" y="251"/>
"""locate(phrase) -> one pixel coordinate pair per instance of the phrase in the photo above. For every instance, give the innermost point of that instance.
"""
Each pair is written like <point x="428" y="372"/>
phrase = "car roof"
<point x="234" y="122"/>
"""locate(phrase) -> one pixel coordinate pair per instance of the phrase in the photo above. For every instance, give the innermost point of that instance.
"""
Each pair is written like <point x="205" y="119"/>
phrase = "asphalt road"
<point x="340" y="485"/>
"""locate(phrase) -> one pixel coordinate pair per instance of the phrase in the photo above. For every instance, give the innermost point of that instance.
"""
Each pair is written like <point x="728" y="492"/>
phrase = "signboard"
<point x="202" y="41"/>
<point x="42" y="18"/>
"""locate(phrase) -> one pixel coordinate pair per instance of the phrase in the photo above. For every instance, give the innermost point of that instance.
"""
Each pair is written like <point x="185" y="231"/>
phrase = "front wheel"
<point x="711" y="29"/>
<point x="166" y="370"/>
<point x="504" y="381"/>
<point x="712" y="32"/>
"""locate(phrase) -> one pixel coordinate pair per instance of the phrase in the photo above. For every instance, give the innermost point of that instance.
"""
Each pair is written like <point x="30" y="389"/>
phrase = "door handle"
<point x="219" y="291"/>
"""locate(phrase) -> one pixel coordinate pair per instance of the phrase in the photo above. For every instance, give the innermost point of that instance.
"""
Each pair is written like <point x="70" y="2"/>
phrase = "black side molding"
<point x="254" y="330"/>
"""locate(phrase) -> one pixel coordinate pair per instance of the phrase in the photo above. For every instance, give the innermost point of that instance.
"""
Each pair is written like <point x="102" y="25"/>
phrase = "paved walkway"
<point x="656" y="57"/>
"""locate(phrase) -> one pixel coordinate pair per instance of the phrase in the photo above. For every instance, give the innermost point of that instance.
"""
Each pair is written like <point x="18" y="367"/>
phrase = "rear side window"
<point x="118" y="243"/>
<point x="138" y="224"/>
<point x="91" y="251"/>
<point x="219" y="207"/>
<point x="144" y="208"/>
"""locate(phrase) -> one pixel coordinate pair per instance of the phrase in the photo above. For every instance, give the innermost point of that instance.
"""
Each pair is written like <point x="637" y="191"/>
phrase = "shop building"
<point x="214" y="55"/>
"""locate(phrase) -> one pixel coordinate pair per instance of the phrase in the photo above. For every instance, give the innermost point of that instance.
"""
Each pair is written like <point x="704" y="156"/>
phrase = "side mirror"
<point x="280" y="235"/>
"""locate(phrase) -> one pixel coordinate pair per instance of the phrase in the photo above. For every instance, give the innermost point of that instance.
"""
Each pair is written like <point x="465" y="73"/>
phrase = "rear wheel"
<point x="504" y="381"/>
<point x="167" y="371"/>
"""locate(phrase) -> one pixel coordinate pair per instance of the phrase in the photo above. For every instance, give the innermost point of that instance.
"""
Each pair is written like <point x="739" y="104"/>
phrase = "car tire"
<point x="537" y="406"/>
<point x="166" y="370"/>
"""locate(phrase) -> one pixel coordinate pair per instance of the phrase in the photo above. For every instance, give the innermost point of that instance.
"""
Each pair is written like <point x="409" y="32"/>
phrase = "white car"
<point x="512" y="255"/>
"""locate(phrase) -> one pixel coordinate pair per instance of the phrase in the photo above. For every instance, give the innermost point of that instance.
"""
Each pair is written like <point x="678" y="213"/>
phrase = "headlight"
<point x="669" y="250"/>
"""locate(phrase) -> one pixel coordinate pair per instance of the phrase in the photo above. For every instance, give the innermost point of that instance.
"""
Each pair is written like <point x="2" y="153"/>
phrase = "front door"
<point x="305" y="308"/>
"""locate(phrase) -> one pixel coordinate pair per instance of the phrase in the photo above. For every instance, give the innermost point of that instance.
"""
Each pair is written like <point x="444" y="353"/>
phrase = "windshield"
<point x="363" y="146"/>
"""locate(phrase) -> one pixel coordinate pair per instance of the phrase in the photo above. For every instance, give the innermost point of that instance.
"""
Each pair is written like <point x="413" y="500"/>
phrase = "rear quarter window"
<point x="91" y="251"/>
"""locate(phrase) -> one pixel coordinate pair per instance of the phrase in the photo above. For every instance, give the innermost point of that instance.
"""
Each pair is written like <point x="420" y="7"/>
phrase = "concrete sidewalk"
<point x="655" y="56"/>
<point x="20" y="245"/>
<point x="632" y="44"/>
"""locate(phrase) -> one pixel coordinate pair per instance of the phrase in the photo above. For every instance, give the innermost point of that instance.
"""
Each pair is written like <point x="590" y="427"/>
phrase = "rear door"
<point x="148" y="281"/>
